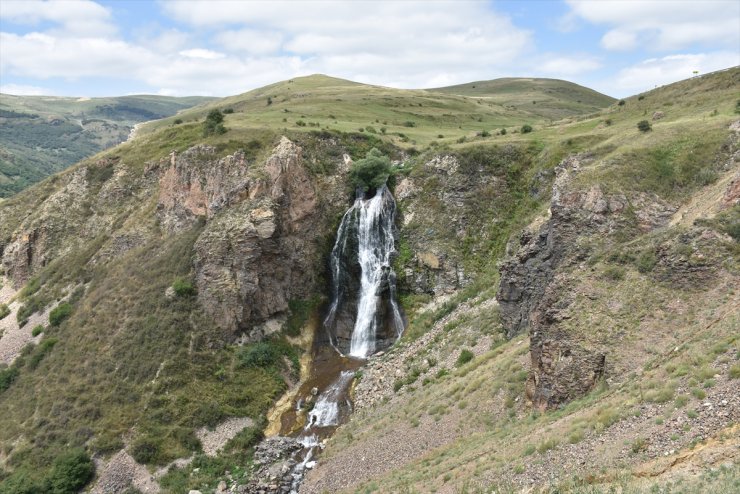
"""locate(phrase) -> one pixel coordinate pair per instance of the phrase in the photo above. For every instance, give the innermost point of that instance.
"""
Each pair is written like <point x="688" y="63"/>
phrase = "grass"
<point x="125" y="355"/>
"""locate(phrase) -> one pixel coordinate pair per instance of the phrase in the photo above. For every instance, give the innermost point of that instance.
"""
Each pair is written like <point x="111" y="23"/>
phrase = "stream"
<point x="363" y="318"/>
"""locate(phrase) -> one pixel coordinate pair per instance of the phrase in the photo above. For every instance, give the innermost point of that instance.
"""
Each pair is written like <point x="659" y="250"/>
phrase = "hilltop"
<point x="570" y="291"/>
<point x="41" y="135"/>
<point x="547" y="98"/>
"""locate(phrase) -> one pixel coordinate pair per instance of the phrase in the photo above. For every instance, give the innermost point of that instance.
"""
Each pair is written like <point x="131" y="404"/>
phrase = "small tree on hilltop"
<point x="214" y="123"/>
<point x="372" y="171"/>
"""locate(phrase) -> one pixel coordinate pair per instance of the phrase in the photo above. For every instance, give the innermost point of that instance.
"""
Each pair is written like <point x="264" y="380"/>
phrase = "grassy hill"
<point x="546" y="98"/>
<point x="405" y="118"/>
<point x="127" y="364"/>
<point x="41" y="135"/>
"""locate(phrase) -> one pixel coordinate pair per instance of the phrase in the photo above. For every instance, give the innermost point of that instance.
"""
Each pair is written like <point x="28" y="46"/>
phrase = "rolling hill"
<point x="571" y="295"/>
<point x="41" y="135"/>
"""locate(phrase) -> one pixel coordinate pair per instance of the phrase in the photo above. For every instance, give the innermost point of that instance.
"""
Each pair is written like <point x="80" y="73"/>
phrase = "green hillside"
<point x="119" y="270"/>
<point x="547" y="98"/>
<point x="41" y="135"/>
<point x="403" y="117"/>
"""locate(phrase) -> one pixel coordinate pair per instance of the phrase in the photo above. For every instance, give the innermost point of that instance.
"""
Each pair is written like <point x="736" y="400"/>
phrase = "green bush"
<point x="70" y="472"/>
<point x="372" y="171"/>
<point x="177" y="121"/>
<point x="4" y="311"/>
<point x="409" y="123"/>
<point x="464" y="357"/>
<point x="214" y="123"/>
<point x="503" y="132"/>
<point x="144" y="450"/>
<point x="228" y="111"/>
<point x="644" y="126"/>
<point x="59" y="314"/>
<point x="7" y="376"/>
<point x="37" y="330"/>
<point x="526" y="129"/>
<point x="647" y="261"/>
<point x="484" y="133"/>
<point x="614" y="273"/>
<point x="183" y="287"/>
<point x="621" y="102"/>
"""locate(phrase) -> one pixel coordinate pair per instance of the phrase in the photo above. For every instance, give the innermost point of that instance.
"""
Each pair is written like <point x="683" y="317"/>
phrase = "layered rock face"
<point x="259" y="248"/>
<point x="534" y="292"/>
<point x="262" y="227"/>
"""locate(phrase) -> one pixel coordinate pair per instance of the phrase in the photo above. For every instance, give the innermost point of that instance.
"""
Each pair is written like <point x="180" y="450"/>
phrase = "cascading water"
<point x="365" y="239"/>
<point x="363" y="318"/>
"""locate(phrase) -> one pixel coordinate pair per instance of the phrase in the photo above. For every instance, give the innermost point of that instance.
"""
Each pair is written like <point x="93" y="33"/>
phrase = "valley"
<point x="543" y="298"/>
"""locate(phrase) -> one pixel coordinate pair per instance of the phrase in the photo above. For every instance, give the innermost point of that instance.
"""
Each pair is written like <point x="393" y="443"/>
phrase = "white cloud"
<point x="80" y="17"/>
<point x="202" y="53"/>
<point x="663" y="25"/>
<point x="618" y="39"/>
<point x="659" y="71"/>
<point x="250" y="41"/>
<point x="24" y="90"/>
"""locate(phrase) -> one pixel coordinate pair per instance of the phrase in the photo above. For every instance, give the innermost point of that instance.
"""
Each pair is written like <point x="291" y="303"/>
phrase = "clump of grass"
<point x="639" y="445"/>
<point x="735" y="371"/>
<point x="183" y="287"/>
<point x="60" y="313"/>
<point x="464" y="357"/>
<point x="4" y="311"/>
<point x="547" y="445"/>
<point x="37" y="330"/>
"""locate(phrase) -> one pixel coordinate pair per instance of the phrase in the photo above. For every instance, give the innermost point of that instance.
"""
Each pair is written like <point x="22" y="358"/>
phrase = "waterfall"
<point x="365" y="238"/>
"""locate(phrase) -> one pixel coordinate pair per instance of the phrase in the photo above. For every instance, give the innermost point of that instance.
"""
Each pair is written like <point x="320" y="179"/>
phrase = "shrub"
<point x="177" y="121"/>
<point x="484" y="133"/>
<point x="614" y="273"/>
<point x="7" y="376"/>
<point x="70" y="472"/>
<point x="228" y="111"/>
<point x="59" y="314"/>
<point x="183" y="287"/>
<point x="4" y="311"/>
<point x="503" y="132"/>
<point x="737" y="106"/>
<point x="464" y="357"/>
<point x="621" y="102"/>
<point x="644" y="126"/>
<point x="261" y="354"/>
<point x="735" y="372"/>
<point x="640" y="98"/>
<point x="608" y="122"/>
<point x="269" y="101"/>
<point x="37" y="330"/>
<point x="409" y="123"/>
<point x="300" y="123"/>
<point x="526" y="129"/>
<point x="144" y="450"/>
<point x="639" y="445"/>
<point x="647" y="261"/>
<point x="370" y="129"/>
<point x="214" y="123"/>
<point x="372" y="171"/>
<point x="547" y="445"/>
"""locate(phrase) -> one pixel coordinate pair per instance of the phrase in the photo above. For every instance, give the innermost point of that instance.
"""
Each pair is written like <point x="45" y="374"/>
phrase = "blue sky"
<point x="88" y="48"/>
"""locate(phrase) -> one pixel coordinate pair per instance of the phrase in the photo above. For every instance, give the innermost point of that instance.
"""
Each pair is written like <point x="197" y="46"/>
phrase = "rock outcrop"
<point x="255" y="256"/>
<point x="534" y="294"/>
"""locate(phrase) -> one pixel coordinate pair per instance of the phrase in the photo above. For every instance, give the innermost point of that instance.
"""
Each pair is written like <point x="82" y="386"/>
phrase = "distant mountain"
<point x="547" y="98"/>
<point x="41" y="135"/>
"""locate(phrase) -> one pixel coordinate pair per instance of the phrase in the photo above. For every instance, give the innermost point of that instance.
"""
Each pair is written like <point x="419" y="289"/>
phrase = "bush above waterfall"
<point x="372" y="171"/>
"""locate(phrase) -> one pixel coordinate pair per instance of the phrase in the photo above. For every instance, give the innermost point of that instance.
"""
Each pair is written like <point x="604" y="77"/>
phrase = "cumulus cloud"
<point x="663" y="25"/>
<point x="80" y="17"/>
<point x="24" y="90"/>
<point x="567" y="66"/>
<point x="659" y="71"/>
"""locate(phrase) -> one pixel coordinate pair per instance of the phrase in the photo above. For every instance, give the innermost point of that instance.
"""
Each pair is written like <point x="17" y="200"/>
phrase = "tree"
<point x="621" y="102"/>
<point x="526" y="129"/>
<point x="644" y="126"/>
<point x="372" y="171"/>
<point x="214" y="123"/>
